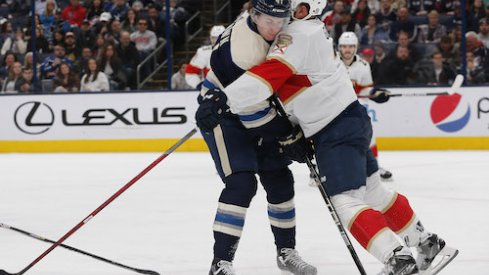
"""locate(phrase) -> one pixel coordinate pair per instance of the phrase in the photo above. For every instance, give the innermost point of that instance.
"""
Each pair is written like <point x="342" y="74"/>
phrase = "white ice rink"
<point x="164" y="221"/>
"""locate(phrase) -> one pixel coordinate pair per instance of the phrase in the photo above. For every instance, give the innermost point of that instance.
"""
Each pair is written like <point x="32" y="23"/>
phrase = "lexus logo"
<point x="34" y="117"/>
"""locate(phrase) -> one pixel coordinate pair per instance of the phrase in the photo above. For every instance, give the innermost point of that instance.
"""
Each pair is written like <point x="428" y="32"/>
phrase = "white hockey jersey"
<point x="239" y="48"/>
<point x="199" y="66"/>
<point x="361" y="76"/>
<point x="303" y="68"/>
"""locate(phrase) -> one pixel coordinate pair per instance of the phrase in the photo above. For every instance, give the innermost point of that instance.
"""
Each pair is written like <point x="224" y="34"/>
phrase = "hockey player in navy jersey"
<point x="313" y="83"/>
<point x="200" y="64"/>
<point x="238" y="151"/>
<point x="361" y="76"/>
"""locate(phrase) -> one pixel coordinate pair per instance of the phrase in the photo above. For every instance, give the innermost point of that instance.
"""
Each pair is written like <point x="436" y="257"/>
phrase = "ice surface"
<point x="164" y="221"/>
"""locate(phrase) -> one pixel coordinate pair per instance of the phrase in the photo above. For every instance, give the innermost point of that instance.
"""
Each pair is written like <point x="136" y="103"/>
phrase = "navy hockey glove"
<point x="211" y="109"/>
<point x="379" y="95"/>
<point x="296" y="147"/>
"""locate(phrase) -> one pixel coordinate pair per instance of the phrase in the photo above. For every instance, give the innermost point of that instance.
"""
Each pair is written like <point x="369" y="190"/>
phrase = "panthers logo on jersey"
<point x="283" y="42"/>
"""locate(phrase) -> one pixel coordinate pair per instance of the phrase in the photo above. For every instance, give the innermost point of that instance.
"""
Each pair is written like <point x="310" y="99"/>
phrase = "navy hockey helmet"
<point x="275" y="8"/>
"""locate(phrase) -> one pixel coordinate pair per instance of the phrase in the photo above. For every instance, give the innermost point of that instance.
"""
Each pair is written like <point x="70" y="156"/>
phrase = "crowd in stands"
<point x="83" y="45"/>
<point x="95" y="45"/>
<point x="415" y="42"/>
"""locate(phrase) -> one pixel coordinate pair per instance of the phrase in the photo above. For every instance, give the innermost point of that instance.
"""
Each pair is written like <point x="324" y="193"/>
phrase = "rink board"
<point x="153" y="121"/>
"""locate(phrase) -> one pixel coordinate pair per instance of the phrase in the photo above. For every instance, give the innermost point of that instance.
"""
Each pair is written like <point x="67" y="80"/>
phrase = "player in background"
<point x="312" y="82"/>
<point x="200" y="64"/>
<point x="361" y="76"/>
<point x="238" y="151"/>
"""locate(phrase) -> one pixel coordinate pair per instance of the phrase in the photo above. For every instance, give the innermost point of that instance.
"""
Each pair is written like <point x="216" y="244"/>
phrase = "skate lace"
<point x="291" y="256"/>
<point x="225" y="267"/>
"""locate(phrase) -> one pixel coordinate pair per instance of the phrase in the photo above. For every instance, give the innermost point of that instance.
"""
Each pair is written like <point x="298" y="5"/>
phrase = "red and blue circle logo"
<point x="450" y="113"/>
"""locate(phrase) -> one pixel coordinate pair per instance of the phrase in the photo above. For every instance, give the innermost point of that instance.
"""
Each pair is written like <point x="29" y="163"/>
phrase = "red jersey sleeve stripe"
<point x="273" y="71"/>
<point x="293" y="87"/>
<point x="191" y="69"/>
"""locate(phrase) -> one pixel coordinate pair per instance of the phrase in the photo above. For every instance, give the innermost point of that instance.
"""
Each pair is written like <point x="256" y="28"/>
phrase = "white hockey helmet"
<point x="217" y="30"/>
<point x="316" y="7"/>
<point x="348" y="38"/>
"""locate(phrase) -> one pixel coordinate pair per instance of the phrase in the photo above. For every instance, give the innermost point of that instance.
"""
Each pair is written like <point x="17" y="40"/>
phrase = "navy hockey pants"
<point x="342" y="150"/>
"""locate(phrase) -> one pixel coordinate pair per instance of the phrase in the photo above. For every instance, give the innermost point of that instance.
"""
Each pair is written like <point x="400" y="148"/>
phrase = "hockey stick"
<point x="457" y="83"/>
<point x="107" y="202"/>
<point x="335" y="217"/>
<point x="327" y="199"/>
<point x="37" y="237"/>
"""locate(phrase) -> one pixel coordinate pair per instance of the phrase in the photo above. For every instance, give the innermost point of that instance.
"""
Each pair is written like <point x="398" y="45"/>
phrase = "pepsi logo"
<point x="450" y="113"/>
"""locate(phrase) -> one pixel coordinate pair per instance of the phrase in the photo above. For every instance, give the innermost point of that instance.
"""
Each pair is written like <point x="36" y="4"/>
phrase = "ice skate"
<point x="385" y="175"/>
<point x="400" y="263"/>
<point x="434" y="255"/>
<point x="221" y="267"/>
<point x="290" y="261"/>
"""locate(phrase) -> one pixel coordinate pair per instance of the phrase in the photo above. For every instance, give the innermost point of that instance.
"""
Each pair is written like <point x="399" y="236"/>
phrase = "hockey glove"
<point x="211" y="109"/>
<point x="296" y="147"/>
<point x="379" y="95"/>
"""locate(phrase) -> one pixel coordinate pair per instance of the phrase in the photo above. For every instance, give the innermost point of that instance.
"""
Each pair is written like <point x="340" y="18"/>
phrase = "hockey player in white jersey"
<point x="238" y="152"/>
<point x="200" y="64"/>
<point x="312" y="82"/>
<point x="361" y="76"/>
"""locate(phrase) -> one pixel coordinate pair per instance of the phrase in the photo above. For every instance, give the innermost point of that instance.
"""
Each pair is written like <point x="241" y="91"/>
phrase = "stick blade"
<point x="3" y="272"/>
<point x="457" y="83"/>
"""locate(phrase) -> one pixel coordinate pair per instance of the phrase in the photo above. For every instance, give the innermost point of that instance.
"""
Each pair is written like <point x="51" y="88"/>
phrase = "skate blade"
<point x="446" y="255"/>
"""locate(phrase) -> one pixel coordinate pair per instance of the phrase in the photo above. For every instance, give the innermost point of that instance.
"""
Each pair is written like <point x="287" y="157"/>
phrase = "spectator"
<point x="8" y="59"/>
<point x="145" y="41"/>
<point x="95" y="9"/>
<point x="128" y="52"/>
<point x="24" y="84"/>
<point x="345" y="25"/>
<point x="445" y="7"/>
<point x="48" y="18"/>
<point x="403" y="41"/>
<point x="111" y="65"/>
<point x="477" y="11"/>
<point x="66" y="80"/>
<point x="138" y="6"/>
<point x="155" y="21"/>
<point x="421" y="7"/>
<point x="481" y="57"/>
<point x="6" y="31"/>
<point x="379" y="52"/>
<point x="178" y="81"/>
<point x="484" y="31"/>
<point x="42" y="44"/>
<point x="17" y="45"/>
<point x="51" y="63"/>
<point x="450" y="53"/>
<point x="433" y="31"/>
<point x="29" y="64"/>
<point x="119" y="10"/>
<point x="371" y="32"/>
<point x="373" y="5"/>
<point x="130" y="24"/>
<point x="403" y="23"/>
<point x="58" y="38"/>
<point x="81" y="64"/>
<point x="361" y="13"/>
<point x="72" y="51"/>
<point x="102" y="26"/>
<point x="387" y="13"/>
<point x="99" y="45"/>
<point x="332" y="17"/>
<point x="74" y="14"/>
<point x="14" y="75"/>
<point x="397" y="69"/>
<point x="473" y="68"/>
<point x="94" y="80"/>
<point x="369" y="55"/>
<point x="86" y="37"/>
<point x="113" y="35"/>
<point x="435" y="72"/>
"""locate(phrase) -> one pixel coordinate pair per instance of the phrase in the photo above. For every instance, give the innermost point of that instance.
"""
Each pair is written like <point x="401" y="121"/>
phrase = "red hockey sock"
<point x="399" y="214"/>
